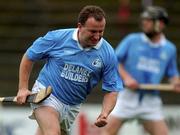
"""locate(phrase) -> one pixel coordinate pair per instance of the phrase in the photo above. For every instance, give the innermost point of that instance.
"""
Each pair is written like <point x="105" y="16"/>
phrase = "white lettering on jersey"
<point x="75" y="73"/>
<point x="148" y="64"/>
<point x="163" y="55"/>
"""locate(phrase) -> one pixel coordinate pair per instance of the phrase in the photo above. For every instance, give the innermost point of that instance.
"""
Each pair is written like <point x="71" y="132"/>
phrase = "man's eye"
<point x="96" y="31"/>
<point x="93" y="31"/>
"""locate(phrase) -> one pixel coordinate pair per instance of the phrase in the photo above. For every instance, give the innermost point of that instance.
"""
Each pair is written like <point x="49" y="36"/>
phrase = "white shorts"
<point x="129" y="107"/>
<point x="67" y="113"/>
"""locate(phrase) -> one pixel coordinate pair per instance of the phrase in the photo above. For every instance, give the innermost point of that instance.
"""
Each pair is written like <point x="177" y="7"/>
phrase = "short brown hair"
<point x="91" y="11"/>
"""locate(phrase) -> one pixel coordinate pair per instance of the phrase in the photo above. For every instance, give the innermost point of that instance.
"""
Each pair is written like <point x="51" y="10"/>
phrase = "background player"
<point x="144" y="58"/>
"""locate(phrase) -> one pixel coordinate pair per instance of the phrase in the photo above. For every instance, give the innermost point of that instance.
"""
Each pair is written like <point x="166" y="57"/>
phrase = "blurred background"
<point x="22" y="21"/>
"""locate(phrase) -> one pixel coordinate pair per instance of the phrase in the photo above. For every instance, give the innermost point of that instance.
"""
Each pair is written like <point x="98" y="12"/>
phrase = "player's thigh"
<point x="38" y="131"/>
<point x="48" y="120"/>
<point x="157" y="127"/>
<point x="113" y="126"/>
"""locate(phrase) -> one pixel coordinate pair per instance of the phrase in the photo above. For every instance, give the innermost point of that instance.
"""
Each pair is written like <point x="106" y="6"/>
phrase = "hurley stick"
<point x="33" y="98"/>
<point x="160" y="87"/>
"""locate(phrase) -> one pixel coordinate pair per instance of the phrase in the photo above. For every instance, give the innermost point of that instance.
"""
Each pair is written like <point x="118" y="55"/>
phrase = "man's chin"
<point x="91" y="44"/>
<point x="94" y="43"/>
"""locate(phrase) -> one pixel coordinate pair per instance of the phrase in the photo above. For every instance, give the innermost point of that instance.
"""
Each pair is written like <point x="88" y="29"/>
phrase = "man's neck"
<point x="156" y="38"/>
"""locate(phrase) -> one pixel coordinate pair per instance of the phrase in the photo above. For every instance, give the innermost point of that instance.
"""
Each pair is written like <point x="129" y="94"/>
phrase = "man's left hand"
<point x="101" y="121"/>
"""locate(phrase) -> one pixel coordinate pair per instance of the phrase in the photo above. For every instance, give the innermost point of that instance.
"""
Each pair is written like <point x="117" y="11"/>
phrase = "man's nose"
<point x="97" y="35"/>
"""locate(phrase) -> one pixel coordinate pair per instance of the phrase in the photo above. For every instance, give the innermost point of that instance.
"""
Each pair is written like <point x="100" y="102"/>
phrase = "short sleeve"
<point x="111" y="78"/>
<point x="41" y="47"/>
<point x="122" y="49"/>
<point x="172" y="69"/>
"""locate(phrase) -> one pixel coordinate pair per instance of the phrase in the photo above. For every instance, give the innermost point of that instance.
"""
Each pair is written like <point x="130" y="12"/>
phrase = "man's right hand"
<point x="131" y="83"/>
<point x="22" y="95"/>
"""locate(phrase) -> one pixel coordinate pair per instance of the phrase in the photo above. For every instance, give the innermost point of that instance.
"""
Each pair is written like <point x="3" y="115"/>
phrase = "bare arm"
<point x="109" y="102"/>
<point x="129" y="81"/>
<point x="24" y="74"/>
<point x="176" y="82"/>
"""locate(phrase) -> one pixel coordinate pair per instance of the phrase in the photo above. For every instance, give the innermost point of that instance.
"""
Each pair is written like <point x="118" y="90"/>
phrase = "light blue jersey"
<point x="146" y="62"/>
<point x="71" y="70"/>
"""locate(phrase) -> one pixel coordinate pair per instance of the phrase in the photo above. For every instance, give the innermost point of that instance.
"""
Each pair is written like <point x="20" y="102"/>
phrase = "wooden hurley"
<point x="160" y="87"/>
<point x="33" y="98"/>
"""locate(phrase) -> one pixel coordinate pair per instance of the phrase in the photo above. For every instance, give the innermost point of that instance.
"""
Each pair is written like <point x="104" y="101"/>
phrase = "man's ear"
<point x="79" y="25"/>
<point x="162" y="24"/>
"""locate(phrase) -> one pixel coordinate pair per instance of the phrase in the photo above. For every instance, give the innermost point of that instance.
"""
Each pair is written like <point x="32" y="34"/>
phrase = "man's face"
<point x="91" y="32"/>
<point x="150" y="26"/>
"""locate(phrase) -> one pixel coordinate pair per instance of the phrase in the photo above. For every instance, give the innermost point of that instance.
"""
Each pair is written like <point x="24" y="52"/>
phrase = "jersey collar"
<point x="162" y="41"/>
<point x="75" y="37"/>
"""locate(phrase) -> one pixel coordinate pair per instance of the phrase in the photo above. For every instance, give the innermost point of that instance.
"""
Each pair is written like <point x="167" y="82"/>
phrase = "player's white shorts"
<point x="67" y="113"/>
<point x="129" y="107"/>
